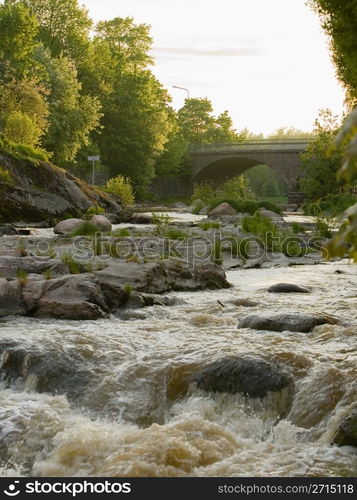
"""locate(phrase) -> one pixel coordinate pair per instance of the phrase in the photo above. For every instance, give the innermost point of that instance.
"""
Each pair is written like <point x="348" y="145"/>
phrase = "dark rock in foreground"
<point x="251" y="376"/>
<point x="294" y="322"/>
<point x="287" y="288"/>
<point x="347" y="431"/>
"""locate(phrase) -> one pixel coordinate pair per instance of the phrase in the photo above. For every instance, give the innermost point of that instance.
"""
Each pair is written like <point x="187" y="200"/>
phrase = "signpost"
<point x="93" y="159"/>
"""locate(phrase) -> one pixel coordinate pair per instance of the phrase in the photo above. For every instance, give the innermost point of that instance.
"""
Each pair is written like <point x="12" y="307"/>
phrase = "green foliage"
<point x="73" y="266"/>
<point x="5" y="176"/>
<point x="121" y="187"/>
<point x="264" y="182"/>
<point x="160" y="219"/>
<point x="128" y="289"/>
<point x="121" y="233"/>
<point x="209" y="225"/>
<point x="263" y="228"/>
<point x="217" y="253"/>
<point x="22" y="276"/>
<point x="297" y="228"/>
<point x="22" y="128"/>
<point x="95" y="210"/>
<point x="320" y="163"/>
<point x="174" y="234"/>
<point x="323" y="227"/>
<point x="205" y="192"/>
<point x="332" y="205"/>
<point x="339" y="21"/>
<point x="87" y="228"/>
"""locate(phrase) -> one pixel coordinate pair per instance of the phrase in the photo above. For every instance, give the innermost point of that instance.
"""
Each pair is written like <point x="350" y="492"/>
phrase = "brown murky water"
<point x="112" y="398"/>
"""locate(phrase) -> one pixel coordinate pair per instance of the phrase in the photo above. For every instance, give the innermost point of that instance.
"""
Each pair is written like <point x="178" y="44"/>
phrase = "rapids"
<point x="112" y="397"/>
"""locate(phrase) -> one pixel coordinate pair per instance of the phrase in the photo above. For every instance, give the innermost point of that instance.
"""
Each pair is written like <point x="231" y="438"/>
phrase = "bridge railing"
<point x="267" y="144"/>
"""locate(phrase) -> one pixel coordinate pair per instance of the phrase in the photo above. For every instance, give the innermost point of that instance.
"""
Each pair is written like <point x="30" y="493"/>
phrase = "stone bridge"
<point x="219" y="162"/>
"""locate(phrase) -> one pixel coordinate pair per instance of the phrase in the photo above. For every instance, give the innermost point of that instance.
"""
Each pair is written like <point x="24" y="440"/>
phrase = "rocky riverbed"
<point x="174" y="366"/>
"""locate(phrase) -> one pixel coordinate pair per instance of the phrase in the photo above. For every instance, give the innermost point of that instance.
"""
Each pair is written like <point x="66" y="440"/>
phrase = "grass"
<point x="85" y="229"/>
<point x="121" y="233"/>
<point x="22" y="276"/>
<point x="47" y="274"/>
<point x="73" y="266"/>
<point x="209" y="225"/>
<point x="217" y="253"/>
<point x="160" y="219"/>
<point x="297" y="228"/>
<point x="95" y="210"/>
<point x="323" y="228"/>
<point x="128" y="289"/>
<point x="21" y="248"/>
<point x="263" y="228"/>
<point x="175" y="234"/>
<point x="23" y="151"/>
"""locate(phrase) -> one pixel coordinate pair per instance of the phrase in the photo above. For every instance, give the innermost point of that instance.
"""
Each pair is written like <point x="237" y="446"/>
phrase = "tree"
<point x="72" y="116"/>
<point x="19" y="29"/>
<point x="136" y="127"/>
<point x="319" y="163"/>
<point x="20" y="127"/>
<point x="339" y="20"/>
<point x="63" y="26"/>
<point x="286" y="133"/>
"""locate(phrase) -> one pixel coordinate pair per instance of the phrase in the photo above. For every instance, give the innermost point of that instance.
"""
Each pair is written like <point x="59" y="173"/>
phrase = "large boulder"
<point x="347" y="432"/>
<point x="42" y="191"/>
<point x="10" y="298"/>
<point x="157" y="278"/>
<point x="287" y="288"/>
<point x="102" y="223"/>
<point x="222" y="209"/>
<point x="7" y="230"/>
<point x="77" y="297"/>
<point x="68" y="226"/>
<point x="294" y="322"/>
<point x="251" y="376"/>
<point x="271" y="215"/>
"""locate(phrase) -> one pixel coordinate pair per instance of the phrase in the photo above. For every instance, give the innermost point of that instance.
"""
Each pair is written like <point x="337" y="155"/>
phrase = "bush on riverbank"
<point x="332" y="205"/>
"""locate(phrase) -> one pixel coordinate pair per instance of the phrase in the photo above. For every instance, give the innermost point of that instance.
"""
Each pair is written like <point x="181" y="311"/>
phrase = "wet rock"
<point x="245" y="303"/>
<point x="222" y="209"/>
<point x="251" y="376"/>
<point x="287" y="288"/>
<point x="102" y="223"/>
<point x="74" y="297"/>
<point x="10" y="298"/>
<point x="157" y="278"/>
<point x="9" y="265"/>
<point x="347" y="432"/>
<point x="157" y="300"/>
<point x="294" y="322"/>
<point x="68" y="226"/>
<point x="7" y="230"/>
<point x="141" y="218"/>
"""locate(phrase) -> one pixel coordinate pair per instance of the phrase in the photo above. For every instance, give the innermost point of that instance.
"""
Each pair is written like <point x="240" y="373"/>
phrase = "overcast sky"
<point x="266" y="61"/>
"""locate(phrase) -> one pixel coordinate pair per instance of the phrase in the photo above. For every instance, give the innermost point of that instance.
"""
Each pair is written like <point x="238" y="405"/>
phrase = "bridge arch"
<point x="221" y="170"/>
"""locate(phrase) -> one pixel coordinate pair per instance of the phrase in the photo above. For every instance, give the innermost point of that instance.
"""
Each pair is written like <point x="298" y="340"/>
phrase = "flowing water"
<point x="114" y="398"/>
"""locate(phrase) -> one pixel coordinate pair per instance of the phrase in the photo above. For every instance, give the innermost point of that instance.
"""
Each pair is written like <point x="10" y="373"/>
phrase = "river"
<point x="111" y="397"/>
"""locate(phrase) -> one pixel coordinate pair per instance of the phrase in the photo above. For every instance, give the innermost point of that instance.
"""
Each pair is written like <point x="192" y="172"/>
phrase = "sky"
<point x="265" y="61"/>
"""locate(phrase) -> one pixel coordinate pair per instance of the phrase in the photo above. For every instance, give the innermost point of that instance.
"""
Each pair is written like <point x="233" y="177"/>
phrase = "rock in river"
<point x="287" y="288"/>
<point x="347" y="431"/>
<point x="294" y="322"/>
<point x="251" y="376"/>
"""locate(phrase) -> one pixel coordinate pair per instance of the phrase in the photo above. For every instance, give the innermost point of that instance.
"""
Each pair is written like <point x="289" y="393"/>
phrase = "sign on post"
<point x="93" y="159"/>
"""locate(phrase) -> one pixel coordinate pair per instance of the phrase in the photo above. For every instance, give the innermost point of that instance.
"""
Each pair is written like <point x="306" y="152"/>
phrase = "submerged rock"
<point x="287" y="288"/>
<point x="245" y="303"/>
<point x="251" y="376"/>
<point x="7" y="230"/>
<point x="294" y="322"/>
<point x="347" y="431"/>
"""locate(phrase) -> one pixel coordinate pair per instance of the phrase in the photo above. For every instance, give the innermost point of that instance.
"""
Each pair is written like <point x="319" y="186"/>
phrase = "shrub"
<point x="22" y="276"/>
<point x="85" y="229"/>
<point x="175" y="234"/>
<point x="205" y="192"/>
<point x="297" y="228"/>
<point x="209" y="225"/>
<point x="332" y="205"/>
<point x="323" y="228"/>
<point x="160" y="219"/>
<point x="73" y="266"/>
<point x="5" y="176"/>
<point x="217" y="253"/>
<point x="121" y="233"/>
<point x="121" y="187"/>
<point x="263" y="228"/>
<point x="47" y="274"/>
<point x="95" y="210"/>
